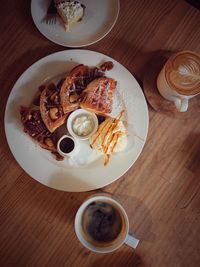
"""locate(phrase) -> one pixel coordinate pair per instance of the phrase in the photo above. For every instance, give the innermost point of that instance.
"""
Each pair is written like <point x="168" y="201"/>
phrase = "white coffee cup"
<point x="123" y="238"/>
<point x="179" y="79"/>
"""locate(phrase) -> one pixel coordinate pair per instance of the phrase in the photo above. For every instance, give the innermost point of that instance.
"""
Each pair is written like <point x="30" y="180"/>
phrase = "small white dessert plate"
<point x="99" y="18"/>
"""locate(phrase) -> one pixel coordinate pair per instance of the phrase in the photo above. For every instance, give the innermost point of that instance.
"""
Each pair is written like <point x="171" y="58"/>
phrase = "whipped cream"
<point x="83" y="125"/>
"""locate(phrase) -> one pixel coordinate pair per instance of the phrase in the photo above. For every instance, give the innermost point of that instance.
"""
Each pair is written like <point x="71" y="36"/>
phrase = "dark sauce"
<point x="101" y="119"/>
<point x="67" y="145"/>
<point x="36" y="101"/>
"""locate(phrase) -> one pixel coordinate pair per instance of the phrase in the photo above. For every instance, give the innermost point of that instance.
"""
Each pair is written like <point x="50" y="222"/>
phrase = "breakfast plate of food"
<point x="76" y="120"/>
<point x="77" y="23"/>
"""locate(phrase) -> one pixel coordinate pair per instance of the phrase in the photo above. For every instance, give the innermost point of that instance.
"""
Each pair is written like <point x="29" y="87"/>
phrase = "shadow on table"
<point x="127" y="258"/>
<point x="140" y="219"/>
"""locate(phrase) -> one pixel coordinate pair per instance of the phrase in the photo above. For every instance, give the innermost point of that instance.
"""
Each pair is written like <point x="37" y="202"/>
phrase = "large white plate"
<point x="100" y="17"/>
<point x="38" y="162"/>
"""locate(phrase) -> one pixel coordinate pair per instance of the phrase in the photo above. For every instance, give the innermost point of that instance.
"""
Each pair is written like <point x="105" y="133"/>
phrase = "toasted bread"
<point x="98" y="95"/>
<point x="73" y="86"/>
<point x="51" y="109"/>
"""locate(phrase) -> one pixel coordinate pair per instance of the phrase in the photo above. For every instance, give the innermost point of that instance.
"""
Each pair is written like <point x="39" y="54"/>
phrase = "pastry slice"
<point x="51" y="108"/>
<point x="73" y="86"/>
<point x="70" y="12"/>
<point x="98" y="96"/>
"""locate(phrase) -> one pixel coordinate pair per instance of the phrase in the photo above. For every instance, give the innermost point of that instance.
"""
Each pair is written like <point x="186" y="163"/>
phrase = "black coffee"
<point x="101" y="222"/>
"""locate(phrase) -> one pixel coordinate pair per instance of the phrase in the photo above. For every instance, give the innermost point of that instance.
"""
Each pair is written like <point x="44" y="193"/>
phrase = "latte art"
<point x="183" y="73"/>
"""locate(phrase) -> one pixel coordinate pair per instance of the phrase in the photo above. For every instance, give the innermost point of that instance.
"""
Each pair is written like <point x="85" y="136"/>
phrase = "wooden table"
<point x="161" y="192"/>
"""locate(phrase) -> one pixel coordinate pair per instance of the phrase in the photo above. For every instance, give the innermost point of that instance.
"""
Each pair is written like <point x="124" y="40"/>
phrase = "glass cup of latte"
<point x="179" y="79"/>
<point x="102" y="225"/>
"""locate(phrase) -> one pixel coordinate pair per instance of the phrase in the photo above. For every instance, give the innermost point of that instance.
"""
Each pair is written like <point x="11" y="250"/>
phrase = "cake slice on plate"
<point x="70" y="12"/>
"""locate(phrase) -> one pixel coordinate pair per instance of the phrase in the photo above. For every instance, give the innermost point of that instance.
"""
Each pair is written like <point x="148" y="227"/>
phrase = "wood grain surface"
<point x="161" y="192"/>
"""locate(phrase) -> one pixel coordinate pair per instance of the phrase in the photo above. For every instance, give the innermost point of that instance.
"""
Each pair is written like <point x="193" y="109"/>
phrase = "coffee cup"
<point x="179" y="79"/>
<point x="102" y="225"/>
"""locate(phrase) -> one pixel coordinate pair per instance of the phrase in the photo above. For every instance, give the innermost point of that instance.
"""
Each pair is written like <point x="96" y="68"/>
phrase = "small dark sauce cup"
<point x="67" y="146"/>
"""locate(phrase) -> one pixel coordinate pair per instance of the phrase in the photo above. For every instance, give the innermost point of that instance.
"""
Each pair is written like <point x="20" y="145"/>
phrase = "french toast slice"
<point x="98" y="96"/>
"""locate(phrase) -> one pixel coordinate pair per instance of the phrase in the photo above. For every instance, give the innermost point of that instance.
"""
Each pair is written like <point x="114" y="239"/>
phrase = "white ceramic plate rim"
<point x="38" y="162"/>
<point x="66" y="43"/>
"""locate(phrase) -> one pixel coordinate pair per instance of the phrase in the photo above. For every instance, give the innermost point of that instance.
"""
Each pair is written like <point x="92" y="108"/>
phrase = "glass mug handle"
<point x="131" y="241"/>
<point x="181" y="104"/>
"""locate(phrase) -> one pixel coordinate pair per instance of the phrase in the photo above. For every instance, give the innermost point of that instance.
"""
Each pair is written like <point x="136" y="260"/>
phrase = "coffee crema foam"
<point x="102" y="223"/>
<point x="182" y="73"/>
